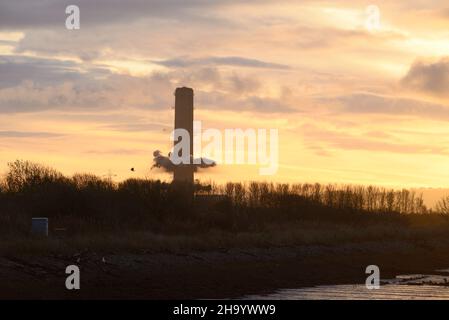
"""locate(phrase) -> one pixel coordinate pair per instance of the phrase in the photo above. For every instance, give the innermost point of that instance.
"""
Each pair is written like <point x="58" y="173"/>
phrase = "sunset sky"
<point x="352" y="105"/>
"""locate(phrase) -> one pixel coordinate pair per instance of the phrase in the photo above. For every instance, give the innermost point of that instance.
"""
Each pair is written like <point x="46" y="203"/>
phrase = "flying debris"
<point x="164" y="162"/>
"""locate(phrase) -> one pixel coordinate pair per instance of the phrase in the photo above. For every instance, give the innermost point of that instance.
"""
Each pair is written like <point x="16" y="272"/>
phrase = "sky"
<point x="352" y="103"/>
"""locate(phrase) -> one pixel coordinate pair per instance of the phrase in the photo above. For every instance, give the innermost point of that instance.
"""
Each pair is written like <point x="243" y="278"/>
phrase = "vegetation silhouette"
<point x="87" y="204"/>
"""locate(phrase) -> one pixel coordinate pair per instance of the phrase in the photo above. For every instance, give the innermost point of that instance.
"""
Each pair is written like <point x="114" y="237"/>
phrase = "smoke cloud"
<point x="164" y="162"/>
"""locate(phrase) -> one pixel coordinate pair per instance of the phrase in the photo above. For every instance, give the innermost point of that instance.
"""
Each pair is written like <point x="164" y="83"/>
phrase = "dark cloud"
<point x="33" y="85"/>
<point x="223" y="61"/>
<point x="16" y="69"/>
<point x="367" y="103"/>
<point x="244" y="85"/>
<point x="430" y="77"/>
<point x="226" y="101"/>
<point x="19" y="14"/>
<point x="36" y="84"/>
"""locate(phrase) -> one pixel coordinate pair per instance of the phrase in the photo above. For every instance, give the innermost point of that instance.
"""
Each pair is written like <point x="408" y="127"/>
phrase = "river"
<point x="403" y="287"/>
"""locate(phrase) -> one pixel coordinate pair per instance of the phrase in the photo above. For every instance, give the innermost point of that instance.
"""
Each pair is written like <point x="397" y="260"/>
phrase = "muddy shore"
<point x="210" y="275"/>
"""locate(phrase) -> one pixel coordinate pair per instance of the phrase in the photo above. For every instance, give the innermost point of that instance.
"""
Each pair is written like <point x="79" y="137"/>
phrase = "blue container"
<point x="39" y="226"/>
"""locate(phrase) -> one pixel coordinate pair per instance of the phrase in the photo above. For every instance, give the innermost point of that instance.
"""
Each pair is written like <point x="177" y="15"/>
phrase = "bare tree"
<point x="442" y="206"/>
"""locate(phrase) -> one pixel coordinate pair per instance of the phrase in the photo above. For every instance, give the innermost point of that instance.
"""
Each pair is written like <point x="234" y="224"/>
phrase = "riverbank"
<point x="215" y="274"/>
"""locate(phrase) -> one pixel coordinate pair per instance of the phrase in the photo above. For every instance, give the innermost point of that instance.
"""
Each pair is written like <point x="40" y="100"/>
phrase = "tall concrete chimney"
<point x="184" y="120"/>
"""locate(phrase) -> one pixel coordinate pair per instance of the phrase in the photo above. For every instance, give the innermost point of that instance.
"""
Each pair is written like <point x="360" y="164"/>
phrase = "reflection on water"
<point x="404" y="287"/>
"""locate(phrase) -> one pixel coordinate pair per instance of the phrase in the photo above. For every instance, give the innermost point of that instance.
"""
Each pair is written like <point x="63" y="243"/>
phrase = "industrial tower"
<point x="184" y="120"/>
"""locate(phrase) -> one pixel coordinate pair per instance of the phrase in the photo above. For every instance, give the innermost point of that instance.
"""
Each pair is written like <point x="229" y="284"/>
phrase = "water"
<point x="403" y="287"/>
